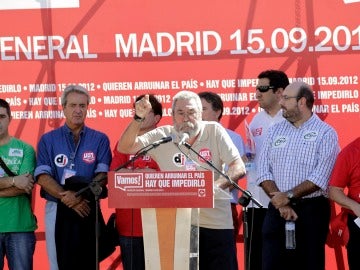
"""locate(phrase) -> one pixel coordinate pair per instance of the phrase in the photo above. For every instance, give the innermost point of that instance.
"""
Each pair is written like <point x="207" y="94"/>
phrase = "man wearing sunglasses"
<point x="271" y="84"/>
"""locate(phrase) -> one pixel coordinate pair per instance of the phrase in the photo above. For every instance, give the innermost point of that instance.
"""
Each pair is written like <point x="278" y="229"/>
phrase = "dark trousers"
<point x="217" y="250"/>
<point x="253" y="237"/>
<point x="353" y="244"/>
<point x="311" y="231"/>
<point x="132" y="252"/>
<point x="75" y="239"/>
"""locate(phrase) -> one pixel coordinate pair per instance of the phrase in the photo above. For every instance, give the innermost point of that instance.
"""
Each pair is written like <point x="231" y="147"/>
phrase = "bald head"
<point x="295" y="86"/>
<point x="301" y="90"/>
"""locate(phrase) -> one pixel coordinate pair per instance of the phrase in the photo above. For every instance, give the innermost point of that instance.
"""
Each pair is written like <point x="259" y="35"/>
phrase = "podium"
<point x="169" y="202"/>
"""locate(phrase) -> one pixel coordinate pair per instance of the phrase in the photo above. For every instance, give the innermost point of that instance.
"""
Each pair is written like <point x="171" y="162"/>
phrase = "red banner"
<point x="121" y="49"/>
<point x="166" y="189"/>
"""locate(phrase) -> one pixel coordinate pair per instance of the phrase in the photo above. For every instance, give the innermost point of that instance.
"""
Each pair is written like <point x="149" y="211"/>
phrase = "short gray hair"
<point x="74" y="89"/>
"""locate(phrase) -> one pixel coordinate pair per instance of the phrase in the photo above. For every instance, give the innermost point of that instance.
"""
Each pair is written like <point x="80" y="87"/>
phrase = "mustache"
<point x="187" y="127"/>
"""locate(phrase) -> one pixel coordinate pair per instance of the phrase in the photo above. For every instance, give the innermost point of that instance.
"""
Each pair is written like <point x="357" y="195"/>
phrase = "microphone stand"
<point x="246" y="195"/>
<point x="244" y="200"/>
<point x="96" y="189"/>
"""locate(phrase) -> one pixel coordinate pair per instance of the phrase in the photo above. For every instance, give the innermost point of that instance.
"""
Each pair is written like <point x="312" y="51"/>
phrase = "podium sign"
<point x="169" y="202"/>
<point x="162" y="189"/>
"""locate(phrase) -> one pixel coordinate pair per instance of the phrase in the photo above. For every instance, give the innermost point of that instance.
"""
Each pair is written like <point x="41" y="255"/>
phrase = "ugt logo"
<point x="89" y="157"/>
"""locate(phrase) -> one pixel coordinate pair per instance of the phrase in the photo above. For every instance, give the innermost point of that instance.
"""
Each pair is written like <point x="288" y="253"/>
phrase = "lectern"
<point x="169" y="202"/>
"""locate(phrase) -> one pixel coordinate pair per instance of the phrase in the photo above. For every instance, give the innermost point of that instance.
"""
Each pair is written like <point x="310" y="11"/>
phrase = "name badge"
<point x="66" y="174"/>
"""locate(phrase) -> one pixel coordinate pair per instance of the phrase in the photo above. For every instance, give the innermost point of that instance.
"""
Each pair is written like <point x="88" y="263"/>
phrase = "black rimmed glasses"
<point x="264" y="88"/>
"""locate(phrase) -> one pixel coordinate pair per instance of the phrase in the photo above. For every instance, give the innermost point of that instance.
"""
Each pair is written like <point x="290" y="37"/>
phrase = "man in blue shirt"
<point x="17" y="222"/>
<point x="213" y="108"/>
<point x="72" y="150"/>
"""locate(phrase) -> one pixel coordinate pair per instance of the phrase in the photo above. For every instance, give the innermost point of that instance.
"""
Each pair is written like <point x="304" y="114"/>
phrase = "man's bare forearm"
<point x="127" y="141"/>
<point x="269" y="187"/>
<point x="11" y="192"/>
<point x="50" y="185"/>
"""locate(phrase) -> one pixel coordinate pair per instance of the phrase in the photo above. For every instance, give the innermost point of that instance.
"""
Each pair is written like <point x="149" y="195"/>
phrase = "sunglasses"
<point x="264" y="88"/>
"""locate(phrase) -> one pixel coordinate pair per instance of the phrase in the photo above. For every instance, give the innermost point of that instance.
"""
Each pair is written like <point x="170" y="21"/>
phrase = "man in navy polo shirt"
<point x="73" y="150"/>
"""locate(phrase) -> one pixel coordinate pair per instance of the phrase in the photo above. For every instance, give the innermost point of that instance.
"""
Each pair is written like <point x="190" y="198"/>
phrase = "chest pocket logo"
<point x="179" y="159"/>
<point x="310" y="136"/>
<point x="15" y="152"/>
<point x="280" y="142"/>
<point x="89" y="157"/>
<point x="61" y="160"/>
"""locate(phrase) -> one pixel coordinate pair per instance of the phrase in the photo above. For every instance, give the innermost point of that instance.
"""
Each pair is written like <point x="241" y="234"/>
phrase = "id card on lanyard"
<point x="68" y="171"/>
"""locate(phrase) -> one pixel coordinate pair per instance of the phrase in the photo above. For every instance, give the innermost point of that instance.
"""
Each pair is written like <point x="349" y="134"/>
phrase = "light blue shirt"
<point x="239" y="143"/>
<point x="291" y="155"/>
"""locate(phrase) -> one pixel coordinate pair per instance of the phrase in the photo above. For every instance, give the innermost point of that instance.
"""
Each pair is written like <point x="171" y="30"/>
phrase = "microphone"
<point x="163" y="140"/>
<point x="183" y="137"/>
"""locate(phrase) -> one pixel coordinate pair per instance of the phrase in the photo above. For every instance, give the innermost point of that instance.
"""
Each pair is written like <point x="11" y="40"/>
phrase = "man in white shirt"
<point x="268" y="93"/>
<point x="216" y="242"/>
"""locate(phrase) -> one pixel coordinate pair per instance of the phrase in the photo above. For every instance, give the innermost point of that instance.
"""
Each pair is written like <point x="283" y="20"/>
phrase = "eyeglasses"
<point x="289" y="97"/>
<point x="264" y="88"/>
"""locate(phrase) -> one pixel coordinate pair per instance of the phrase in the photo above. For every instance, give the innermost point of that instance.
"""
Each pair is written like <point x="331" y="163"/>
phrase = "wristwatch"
<point x="138" y="118"/>
<point x="290" y="195"/>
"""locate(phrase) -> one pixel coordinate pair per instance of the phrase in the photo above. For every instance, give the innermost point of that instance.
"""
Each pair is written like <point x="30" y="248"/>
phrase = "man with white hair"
<point x="216" y="242"/>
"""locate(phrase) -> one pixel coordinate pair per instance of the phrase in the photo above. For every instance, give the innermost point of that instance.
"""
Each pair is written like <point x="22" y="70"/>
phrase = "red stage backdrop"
<point x="121" y="49"/>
